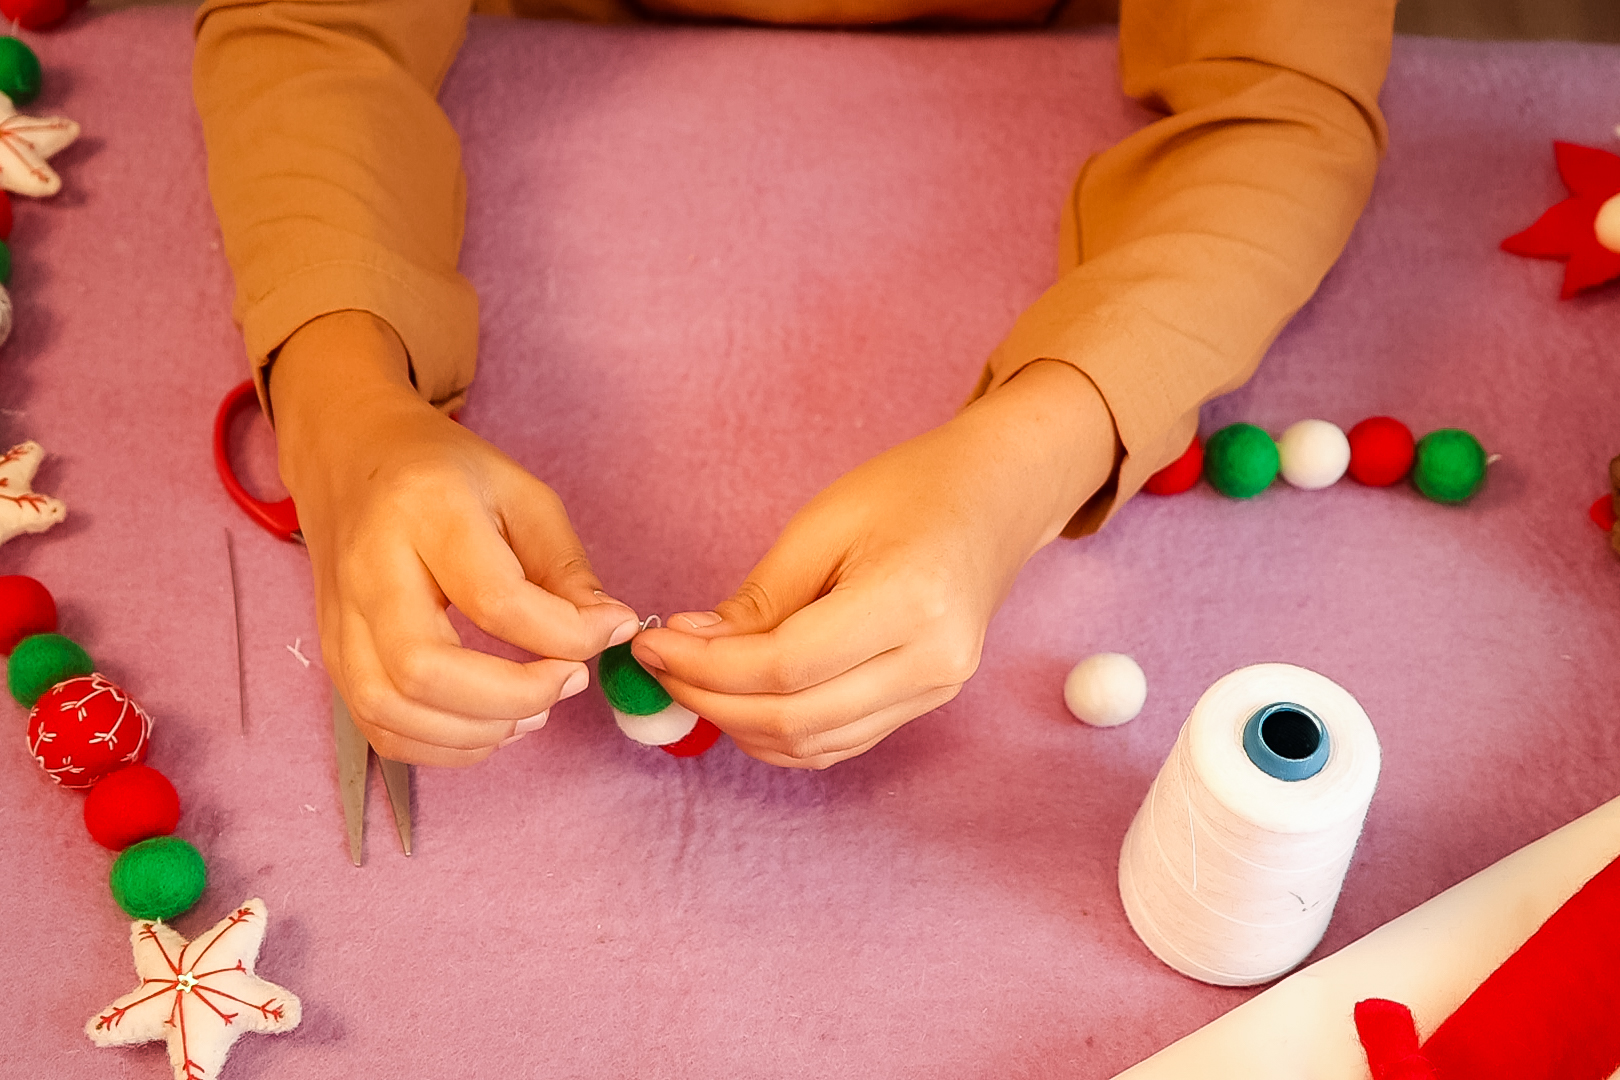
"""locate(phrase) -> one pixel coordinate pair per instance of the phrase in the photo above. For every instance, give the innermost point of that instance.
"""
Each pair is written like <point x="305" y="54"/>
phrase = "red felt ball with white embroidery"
<point x="84" y="728"/>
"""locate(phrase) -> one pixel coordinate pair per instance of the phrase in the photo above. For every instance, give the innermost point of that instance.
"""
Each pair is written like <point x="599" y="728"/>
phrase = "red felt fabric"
<point x="1568" y="229"/>
<point x="1552" y="1010"/>
<point x="1389" y="1036"/>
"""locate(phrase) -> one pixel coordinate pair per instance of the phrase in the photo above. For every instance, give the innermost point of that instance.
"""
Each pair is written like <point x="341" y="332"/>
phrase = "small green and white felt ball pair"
<point x="644" y="710"/>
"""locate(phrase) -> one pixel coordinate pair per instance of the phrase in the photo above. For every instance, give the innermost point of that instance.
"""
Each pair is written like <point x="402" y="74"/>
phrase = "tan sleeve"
<point x="1186" y="247"/>
<point x="336" y="176"/>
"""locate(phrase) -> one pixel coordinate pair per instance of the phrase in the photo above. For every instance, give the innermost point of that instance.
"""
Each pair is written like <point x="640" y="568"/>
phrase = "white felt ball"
<point x="1313" y="454"/>
<point x="670" y="724"/>
<point x="1105" y="689"/>
<point x="5" y="314"/>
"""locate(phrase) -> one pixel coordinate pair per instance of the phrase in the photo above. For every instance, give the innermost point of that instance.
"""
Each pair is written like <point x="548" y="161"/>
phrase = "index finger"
<point x="820" y="641"/>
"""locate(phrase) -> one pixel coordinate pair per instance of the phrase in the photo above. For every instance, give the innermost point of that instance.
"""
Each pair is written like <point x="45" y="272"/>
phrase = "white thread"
<point x="293" y="648"/>
<point x="651" y="621"/>
<point x="1243" y="890"/>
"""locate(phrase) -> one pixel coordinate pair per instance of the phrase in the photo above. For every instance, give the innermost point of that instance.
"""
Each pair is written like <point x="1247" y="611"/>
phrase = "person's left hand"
<point x="871" y="608"/>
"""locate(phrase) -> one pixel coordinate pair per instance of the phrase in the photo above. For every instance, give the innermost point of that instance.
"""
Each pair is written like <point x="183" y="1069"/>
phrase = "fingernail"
<point x="531" y="723"/>
<point x="647" y="658"/>
<point x="510" y="739"/>
<point x="697" y="620"/>
<point x="578" y="681"/>
<point x="624" y="632"/>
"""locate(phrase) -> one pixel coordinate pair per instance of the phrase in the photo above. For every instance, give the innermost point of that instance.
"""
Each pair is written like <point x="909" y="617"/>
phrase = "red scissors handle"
<point x="279" y="518"/>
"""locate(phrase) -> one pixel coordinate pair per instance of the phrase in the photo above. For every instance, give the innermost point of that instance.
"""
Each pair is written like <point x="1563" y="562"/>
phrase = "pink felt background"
<point x="718" y="267"/>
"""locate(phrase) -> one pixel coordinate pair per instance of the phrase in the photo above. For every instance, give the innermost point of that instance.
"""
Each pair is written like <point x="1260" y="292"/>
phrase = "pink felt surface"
<point x="718" y="267"/>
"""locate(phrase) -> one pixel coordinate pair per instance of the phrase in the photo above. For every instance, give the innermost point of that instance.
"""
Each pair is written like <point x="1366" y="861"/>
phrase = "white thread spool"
<point x="1229" y="874"/>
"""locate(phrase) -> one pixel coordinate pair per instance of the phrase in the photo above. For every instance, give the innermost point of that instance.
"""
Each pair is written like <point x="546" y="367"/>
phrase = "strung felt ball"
<point x="1181" y="474"/>
<point x="5" y="215"/>
<point x="644" y="710"/>
<point x="40" y="662"/>
<point x="628" y="686"/>
<point x="26" y="608"/>
<point x="697" y="741"/>
<point x="84" y="728"/>
<point x="1240" y="460"/>
<point x="1450" y="465"/>
<point x="133" y="804"/>
<point x="1381" y="451"/>
<point x="665" y="727"/>
<point x="158" y="878"/>
<point x="37" y="14"/>
<point x="1313" y="454"/>
<point x="1105" y="689"/>
<point x="20" y="74"/>
<point x="5" y="263"/>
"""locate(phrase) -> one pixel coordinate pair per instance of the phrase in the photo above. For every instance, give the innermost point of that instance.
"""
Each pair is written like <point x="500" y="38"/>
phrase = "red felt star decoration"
<point x="1584" y="228"/>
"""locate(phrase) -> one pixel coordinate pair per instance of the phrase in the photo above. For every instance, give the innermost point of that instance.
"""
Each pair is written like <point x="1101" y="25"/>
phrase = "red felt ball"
<point x="1602" y="512"/>
<point x="1381" y="451"/>
<point x="702" y="736"/>
<point x="38" y="14"/>
<point x="133" y="804"/>
<point x="83" y="728"/>
<point x="1180" y="474"/>
<point x="5" y="216"/>
<point x="26" y="609"/>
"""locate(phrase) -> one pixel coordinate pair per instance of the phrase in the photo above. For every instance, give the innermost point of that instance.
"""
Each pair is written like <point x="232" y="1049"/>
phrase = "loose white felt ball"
<point x="1314" y="454"/>
<point x="1105" y="689"/>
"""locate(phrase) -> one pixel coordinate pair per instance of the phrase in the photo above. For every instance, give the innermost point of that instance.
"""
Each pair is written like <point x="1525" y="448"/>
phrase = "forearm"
<point x="335" y="175"/>
<point x="1190" y="244"/>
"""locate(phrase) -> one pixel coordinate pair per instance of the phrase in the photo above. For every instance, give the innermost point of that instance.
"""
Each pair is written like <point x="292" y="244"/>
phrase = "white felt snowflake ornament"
<point x="200" y="996"/>
<point x="25" y="144"/>
<point x="22" y="509"/>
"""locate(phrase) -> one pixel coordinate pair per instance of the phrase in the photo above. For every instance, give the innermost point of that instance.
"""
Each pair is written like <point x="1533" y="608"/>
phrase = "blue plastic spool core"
<point x="1287" y="741"/>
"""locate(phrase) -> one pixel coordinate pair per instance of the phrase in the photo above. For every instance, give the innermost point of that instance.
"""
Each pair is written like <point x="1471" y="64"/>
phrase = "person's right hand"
<point x="406" y="512"/>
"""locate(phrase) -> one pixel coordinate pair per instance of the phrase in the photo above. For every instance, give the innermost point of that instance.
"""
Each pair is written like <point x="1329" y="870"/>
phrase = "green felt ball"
<point x="40" y="662"/>
<point x="158" y="878"/>
<point x="628" y="686"/>
<point x="1240" y="460"/>
<point x="5" y="263"/>
<point x="19" y="71"/>
<point x="1450" y="465"/>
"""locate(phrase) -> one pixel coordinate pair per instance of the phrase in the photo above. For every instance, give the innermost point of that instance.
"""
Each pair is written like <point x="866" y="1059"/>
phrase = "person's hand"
<point x="405" y="511"/>
<point x="871" y="608"/>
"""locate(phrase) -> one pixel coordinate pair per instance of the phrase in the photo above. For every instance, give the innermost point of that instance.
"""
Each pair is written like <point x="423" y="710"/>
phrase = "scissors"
<point x="280" y="519"/>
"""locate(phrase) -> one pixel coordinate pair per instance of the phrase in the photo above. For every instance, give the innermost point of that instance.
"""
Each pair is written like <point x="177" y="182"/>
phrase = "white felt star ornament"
<point x="200" y="996"/>
<point x="25" y="143"/>
<point x="22" y="509"/>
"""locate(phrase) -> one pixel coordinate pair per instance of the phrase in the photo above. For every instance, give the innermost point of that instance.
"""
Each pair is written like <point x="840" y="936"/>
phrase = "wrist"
<point x="330" y="374"/>
<point x="1066" y="430"/>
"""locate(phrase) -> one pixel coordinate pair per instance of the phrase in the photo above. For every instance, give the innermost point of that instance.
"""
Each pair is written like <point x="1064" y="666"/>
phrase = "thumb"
<point x="792" y="575"/>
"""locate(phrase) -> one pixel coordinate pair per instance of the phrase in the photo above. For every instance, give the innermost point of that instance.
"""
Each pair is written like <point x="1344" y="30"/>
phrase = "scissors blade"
<point x="352" y="754"/>
<point x="397" y="779"/>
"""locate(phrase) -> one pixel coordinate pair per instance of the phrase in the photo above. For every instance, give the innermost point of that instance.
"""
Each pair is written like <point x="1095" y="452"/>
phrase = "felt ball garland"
<point x="644" y="710"/>
<point x="87" y="733"/>
<point x="1241" y="460"/>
